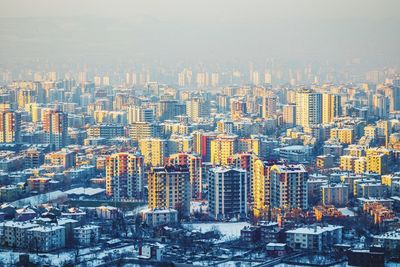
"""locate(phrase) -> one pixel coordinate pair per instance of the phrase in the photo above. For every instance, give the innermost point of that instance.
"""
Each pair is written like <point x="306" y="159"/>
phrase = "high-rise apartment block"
<point x="55" y="127"/>
<point x="222" y="148"/>
<point x="308" y="107"/>
<point x="154" y="150"/>
<point x="10" y="127"/>
<point x="227" y="193"/>
<point x="289" y="186"/>
<point x="124" y="175"/>
<point x="193" y="162"/>
<point x="331" y="107"/>
<point x="169" y="187"/>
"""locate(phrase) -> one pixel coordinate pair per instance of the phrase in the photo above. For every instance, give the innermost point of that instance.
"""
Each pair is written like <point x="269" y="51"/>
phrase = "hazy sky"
<point x="217" y="31"/>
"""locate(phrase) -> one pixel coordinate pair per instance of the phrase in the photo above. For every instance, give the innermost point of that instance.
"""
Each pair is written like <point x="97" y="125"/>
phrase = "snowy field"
<point x="229" y="231"/>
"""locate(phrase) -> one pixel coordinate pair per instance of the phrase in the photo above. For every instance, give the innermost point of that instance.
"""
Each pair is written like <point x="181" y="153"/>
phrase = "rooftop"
<point x="87" y="226"/>
<point x="22" y="225"/>
<point x="47" y="228"/>
<point x="88" y="191"/>
<point x="314" y="230"/>
<point x="393" y="235"/>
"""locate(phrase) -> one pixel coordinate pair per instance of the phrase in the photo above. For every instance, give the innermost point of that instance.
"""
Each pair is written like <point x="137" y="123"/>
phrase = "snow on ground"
<point x="346" y="212"/>
<point x="228" y="230"/>
<point x="237" y="264"/>
<point x="227" y="264"/>
<point x="89" y="255"/>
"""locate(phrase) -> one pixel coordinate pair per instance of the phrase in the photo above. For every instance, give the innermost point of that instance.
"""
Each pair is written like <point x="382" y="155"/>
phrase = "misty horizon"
<point x="177" y="33"/>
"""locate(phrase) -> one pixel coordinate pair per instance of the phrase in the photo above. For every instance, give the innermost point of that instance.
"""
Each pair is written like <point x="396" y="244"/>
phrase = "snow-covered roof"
<point x="87" y="227"/>
<point x="263" y="223"/>
<point x="158" y="211"/>
<point x="291" y="168"/>
<point x="89" y="191"/>
<point x="294" y="147"/>
<point x="39" y="199"/>
<point x="46" y="229"/>
<point x="21" y="225"/>
<point x="334" y="185"/>
<point x="62" y="221"/>
<point x="314" y="230"/>
<point x="220" y="169"/>
<point x="318" y="175"/>
<point x="106" y="208"/>
<point x="396" y="198"/>
<point x="374" y="199"/>
<point x="393" y="235"/>
<point x="276" y="244"/>
<point x="346" y="212"/>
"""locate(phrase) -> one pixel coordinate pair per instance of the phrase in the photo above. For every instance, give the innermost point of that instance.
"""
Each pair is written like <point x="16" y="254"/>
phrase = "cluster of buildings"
<point x="252" y="152"/>
<point x="44" y="235"/>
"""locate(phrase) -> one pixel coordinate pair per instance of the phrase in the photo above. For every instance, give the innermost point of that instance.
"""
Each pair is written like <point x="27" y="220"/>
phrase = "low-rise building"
<point x="15" y="233"/>
<point x="362" y="257"/>
<point x="86" y="235"/>
<point x="250" y="234"/>
<point x="389" y="240"/>
<point x="335" y="194"/>
<point x="158" y="217"/>
<point x="277" y="249"/>
<point x="40" y="184"/>
<point x="316" y="238"/>
<point x="46" y="238"/>
<point x="269" y="231"/>
<point x="107" y="212"/>
<point x="10" y="193"/>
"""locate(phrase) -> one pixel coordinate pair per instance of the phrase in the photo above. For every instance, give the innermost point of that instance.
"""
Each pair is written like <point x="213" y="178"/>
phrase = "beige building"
<point x="308" y="107"/>
<point x="345" y="135"/>
<point x="331" y="107"/>
<point x="347" y="163"/>
<point x="377" y="163"/>
<point x="169" y="187"/>
<point x="223" y="147"/>
<point x="360" y="165"/>
<point x="10" y="127"/>
<point x="154" y="150"/>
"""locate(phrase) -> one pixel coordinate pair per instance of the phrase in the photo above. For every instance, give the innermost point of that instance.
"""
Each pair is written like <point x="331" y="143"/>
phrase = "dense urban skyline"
<point x="199" y="133"/>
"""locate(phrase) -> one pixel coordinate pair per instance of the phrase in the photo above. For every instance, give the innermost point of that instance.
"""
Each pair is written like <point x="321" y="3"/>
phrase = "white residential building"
<point x="316" y="238"/>
<point x="86" y="234"/>
<point x="15" y="233"/>
<point x="389" y="240"/>
<point x="46" y="238"/>
<point x="157" y="217"/>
